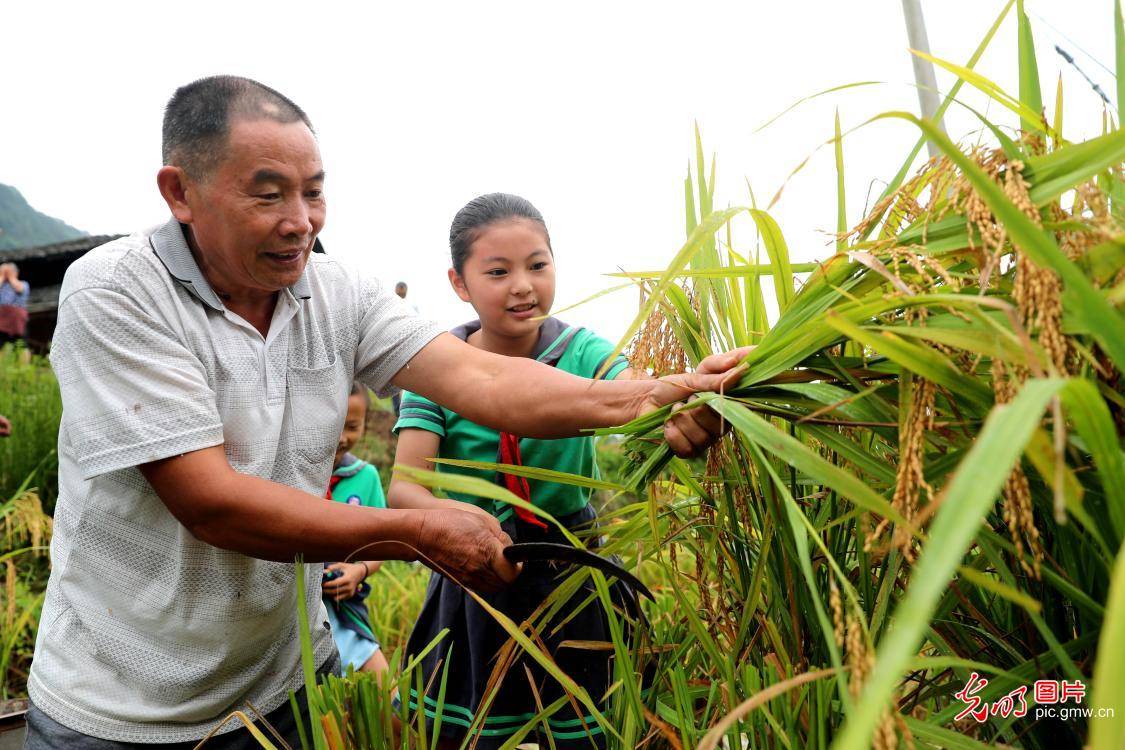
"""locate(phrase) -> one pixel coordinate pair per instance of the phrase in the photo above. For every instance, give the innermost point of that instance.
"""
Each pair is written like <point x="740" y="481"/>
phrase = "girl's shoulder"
<point x="589" y="355"/>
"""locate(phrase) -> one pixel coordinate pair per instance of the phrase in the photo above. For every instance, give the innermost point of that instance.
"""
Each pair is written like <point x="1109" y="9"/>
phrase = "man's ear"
<point x="173" y="185"/>
<point x="458" y="284"/>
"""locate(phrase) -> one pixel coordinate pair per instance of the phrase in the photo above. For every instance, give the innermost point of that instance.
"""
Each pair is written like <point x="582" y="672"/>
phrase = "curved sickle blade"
<point x="564" y="553"/>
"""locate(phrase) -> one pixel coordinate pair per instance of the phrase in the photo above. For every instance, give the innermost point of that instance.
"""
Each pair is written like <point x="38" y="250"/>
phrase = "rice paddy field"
<point x="911" y="536"/>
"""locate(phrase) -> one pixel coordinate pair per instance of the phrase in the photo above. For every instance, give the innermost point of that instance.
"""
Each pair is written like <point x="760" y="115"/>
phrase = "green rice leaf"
<point x="315" y="706"/>
<point x="1119" y="57"/>
<point x="1031" y="96"/>
<point x="778" y="253"/>
<point x="1108" y="691"/>
<point x="479" y="488"/>
<point x="1094" y="424"/>
<point x="1053" y="173"/>
<point x="533" y="472"/>
<point x="741" y="270"/>
<point x="1031" y="118"/>
<point x="699" y="236"/>
<point x="801" y="457"/>
<point x="809" y="98"/>
<point x="841" y="204"/>
<point x="972" y="491"/>
<point x="927" y="362"/>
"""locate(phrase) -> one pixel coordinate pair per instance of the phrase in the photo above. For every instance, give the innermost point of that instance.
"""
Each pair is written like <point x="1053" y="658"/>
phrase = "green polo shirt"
<point x="571" y="349"/>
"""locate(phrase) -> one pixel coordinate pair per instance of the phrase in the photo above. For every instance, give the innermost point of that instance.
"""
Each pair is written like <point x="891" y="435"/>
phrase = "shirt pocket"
<point x="318" y="402"/>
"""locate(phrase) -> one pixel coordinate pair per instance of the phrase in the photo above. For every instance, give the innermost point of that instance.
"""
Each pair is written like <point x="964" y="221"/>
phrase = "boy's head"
<point x="354" y="422"/>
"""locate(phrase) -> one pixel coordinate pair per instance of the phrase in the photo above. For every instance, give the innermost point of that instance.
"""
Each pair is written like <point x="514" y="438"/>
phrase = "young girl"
<point x="503" y="265"/>
<point x="354" y="482"/>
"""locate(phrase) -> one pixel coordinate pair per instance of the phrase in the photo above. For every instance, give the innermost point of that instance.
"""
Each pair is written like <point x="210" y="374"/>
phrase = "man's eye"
<point x="269" y="196"/>
<point x="314" y="194"/>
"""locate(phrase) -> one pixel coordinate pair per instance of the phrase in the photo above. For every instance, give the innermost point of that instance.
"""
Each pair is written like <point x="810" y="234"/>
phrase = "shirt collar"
<point x="349" y="466"/>
<point x="551" y="342"/>
<point x="171" y="246"/>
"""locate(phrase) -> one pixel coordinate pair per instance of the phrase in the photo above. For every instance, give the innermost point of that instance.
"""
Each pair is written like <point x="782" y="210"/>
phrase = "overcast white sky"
<point x="585" y="108"/>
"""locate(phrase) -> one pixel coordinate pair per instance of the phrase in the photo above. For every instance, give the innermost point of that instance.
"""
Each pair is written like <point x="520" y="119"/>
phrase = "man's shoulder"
<point x="340" y="285"/>
<point x="117" y="266"/>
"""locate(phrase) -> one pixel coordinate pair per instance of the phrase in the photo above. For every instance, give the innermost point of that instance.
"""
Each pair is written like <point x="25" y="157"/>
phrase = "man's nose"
<point x="297" y="220"/>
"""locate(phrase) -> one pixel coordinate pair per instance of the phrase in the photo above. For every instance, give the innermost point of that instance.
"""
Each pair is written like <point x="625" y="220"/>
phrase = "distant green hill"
<point x="23" y="226"/>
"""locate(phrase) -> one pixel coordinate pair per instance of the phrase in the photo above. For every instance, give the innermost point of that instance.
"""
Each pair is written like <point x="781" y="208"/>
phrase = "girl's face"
<point x="508" y="278"/>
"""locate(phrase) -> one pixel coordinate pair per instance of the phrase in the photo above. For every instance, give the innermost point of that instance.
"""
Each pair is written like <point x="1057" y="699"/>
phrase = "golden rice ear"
<point x="656" y="350"/>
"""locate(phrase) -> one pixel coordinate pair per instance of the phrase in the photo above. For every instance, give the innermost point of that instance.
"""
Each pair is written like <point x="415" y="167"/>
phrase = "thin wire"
<point x="1075" y="44"/>
<point x="1098" y="89"/>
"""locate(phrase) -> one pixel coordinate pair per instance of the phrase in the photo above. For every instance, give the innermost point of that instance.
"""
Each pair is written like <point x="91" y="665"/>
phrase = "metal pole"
<point x="923" y="69"/>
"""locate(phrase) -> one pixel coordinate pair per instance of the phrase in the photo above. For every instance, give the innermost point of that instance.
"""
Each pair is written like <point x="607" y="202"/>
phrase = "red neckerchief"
<point x="510" y="454"/>
<point x="332" y="482"/>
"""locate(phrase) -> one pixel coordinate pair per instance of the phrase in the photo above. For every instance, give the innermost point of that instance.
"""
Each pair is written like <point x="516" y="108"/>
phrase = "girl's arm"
<point x="415" y="447"/>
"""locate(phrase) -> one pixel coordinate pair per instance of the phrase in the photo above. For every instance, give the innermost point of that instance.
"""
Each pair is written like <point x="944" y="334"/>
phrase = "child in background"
<point x="503" y="265"/>
<point x="354" y="482"/>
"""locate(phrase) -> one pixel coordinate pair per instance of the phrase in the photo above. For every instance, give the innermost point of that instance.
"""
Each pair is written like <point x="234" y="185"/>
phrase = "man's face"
<point x="255" y="217"/>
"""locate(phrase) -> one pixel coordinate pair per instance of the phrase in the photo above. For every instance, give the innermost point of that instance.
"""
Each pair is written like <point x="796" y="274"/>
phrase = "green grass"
<point x="29" y="397"/>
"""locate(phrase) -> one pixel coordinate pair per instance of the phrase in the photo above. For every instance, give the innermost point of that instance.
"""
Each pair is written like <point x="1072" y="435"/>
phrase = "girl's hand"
<point x="691" y="431"/>
<point x="344" y="585"/>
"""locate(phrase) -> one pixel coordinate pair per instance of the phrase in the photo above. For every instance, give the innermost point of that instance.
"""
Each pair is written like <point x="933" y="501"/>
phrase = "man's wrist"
<point x="627" y="401"/>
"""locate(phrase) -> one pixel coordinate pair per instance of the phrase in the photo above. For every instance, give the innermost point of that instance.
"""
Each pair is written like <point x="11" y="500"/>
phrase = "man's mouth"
<point x="290" y="256"/>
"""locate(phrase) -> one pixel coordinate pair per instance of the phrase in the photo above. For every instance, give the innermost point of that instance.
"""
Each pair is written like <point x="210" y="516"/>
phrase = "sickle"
<point x="564" y="553"/>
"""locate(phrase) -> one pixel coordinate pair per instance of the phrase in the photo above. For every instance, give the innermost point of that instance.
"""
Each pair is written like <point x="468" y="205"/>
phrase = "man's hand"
<point x="5" y="427"/>
<point x="468" y="547"/>
<point x="691" y="431"/>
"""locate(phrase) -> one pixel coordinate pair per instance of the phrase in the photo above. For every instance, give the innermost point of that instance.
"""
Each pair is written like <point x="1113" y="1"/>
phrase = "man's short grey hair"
<point x="199" y="115"/>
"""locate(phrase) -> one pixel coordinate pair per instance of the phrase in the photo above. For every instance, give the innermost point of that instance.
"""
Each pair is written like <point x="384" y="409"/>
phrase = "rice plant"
<point x="25" y="535"/>
<point x="921" y="504"/>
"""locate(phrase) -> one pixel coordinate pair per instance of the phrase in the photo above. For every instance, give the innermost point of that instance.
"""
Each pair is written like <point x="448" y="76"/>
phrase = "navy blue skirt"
<point x="475" y="642"/>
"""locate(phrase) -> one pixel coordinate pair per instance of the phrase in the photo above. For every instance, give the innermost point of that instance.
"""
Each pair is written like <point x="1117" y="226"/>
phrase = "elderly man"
<point x="204" y="368"/>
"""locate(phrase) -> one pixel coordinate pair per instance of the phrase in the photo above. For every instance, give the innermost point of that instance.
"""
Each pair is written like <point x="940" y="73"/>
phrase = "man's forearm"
<point x="519" y="395"/>
<point x="534" y="400"/>
<point x="275" y="522"/>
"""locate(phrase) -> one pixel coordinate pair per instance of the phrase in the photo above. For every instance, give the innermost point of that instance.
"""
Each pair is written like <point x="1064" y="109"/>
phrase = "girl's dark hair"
<point x="471" y="221"/>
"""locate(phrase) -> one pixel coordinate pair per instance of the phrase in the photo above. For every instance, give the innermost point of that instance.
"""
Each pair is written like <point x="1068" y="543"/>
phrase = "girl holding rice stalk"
<point x="503" y="265"/>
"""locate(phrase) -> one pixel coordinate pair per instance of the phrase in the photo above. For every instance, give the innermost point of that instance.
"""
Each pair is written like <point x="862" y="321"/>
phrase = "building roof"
<point x="58" y="249"/>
